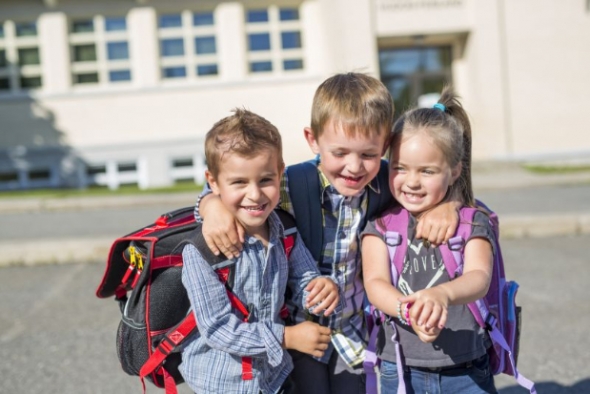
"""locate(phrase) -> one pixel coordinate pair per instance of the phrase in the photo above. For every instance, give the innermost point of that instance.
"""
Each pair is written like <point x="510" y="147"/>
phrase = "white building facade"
<point x="122" y="92"/>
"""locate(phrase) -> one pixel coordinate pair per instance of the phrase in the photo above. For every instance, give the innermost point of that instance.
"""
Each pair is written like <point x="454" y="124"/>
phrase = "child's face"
<point x="249" y="187"/>
<point x="349" y="162"/>
<point x="419" y="175"/>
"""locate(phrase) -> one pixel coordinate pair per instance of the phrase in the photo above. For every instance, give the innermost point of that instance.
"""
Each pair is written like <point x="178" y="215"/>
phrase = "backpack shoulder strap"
<point x="394" y="225"/>
<point x="379" y="202"/>
<point x="305" y="193"/>
<point x="289" y="230"/>
<point x="453" y="258"/>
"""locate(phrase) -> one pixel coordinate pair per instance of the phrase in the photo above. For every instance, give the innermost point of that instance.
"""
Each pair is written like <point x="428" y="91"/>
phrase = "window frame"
<point x="101" y="38"/>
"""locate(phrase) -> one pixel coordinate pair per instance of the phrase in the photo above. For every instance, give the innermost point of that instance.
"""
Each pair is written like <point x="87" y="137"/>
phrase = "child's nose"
<point x="354" y="164"/>
<point x="412" y="179"/>
<point x="254" y="193"/>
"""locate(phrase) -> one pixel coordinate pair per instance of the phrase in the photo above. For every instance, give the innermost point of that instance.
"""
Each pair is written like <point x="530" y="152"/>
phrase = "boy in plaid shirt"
<point x="244" y="159"/>
<point x="351" y="121"/>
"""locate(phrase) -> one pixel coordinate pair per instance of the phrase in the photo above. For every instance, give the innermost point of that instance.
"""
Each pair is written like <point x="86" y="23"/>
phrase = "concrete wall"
<point x="521" y="66"/>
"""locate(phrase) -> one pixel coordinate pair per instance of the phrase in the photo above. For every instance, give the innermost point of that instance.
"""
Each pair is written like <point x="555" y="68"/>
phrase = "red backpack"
<point x="497" y="312"/>
<point x="143" y="274"/>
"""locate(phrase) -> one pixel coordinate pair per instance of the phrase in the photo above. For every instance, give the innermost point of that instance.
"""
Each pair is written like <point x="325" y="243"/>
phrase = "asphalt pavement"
<point x="71" y="230"/>
<point x="57" y="337"/>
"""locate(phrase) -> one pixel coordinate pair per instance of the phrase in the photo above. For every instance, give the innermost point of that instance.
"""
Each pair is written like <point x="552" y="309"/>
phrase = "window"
<point x="174" y="72"/>
<point x="117" y="50"/>
<point x="30" y="82"/>
<point x="205" y="45"/>
<point x="83" y="26"/>
<point x="412" y="73"/>
<point x="85" y="53"/>
<point x="26" y="29"/>
<point x="259" y="42"/>
<point x="169" y="21"/>
<point x="203" y="19"/>
<point x="3" y="62"/>
<point x="274" y="40"/>
<point x="115" y="24"/>
<point x="291" y="39"/>
<point x="100" y="50"/>
<point x="256" y="16"/>
<point x="20" y="60"/>
<point x="172" y="47"/>
<point x="207" y="69"/>
<point x="119" y="75"/>
<point x="28" y="56"/>
<point x="188" y="45"/>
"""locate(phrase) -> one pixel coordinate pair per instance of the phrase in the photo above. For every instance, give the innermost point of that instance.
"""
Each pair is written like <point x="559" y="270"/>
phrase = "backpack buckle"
<point x="393" y="238"/>
<point x="490" y="322"/>
<point x="456" y="243"/>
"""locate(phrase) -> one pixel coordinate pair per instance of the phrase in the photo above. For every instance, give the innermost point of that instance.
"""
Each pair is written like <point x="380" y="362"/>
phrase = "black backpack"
<point x="143" y="273"/>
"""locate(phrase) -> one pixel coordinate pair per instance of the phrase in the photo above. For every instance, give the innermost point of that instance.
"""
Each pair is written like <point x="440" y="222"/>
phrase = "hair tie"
<point x="440" y="107"/>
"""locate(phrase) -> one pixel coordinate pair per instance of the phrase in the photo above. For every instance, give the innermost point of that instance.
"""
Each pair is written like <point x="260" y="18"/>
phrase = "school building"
<point x="120" y="92"/>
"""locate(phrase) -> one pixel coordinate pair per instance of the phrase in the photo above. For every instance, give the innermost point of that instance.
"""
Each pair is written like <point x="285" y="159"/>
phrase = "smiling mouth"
<point x="351" y="179"/>
<point x="413" y="196"/>
<point x="257" y="208"/>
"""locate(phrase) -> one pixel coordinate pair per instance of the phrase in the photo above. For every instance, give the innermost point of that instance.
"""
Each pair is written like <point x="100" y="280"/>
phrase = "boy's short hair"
<point x="358" y="102"/>
<point x="244" y="133"/>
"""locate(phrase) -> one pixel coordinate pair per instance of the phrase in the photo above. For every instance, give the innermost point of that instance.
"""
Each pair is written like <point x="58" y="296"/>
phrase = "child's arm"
<point x="377" y="275"/>
<point x="429" y="306"/>
<point x="221" y="328"/>
<point x="224" y="234"/>
<point x="439" y="224"/>
<point x="309" y="289"/>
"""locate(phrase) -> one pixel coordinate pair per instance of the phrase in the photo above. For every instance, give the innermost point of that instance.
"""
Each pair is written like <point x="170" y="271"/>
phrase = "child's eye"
<point x="338" y="154"/>
<point x="370" y="155"/>
<point x="428" y="172"/>
<point x="266" y="180"/>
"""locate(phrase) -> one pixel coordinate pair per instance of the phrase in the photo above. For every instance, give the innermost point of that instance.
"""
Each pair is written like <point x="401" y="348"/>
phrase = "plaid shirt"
<point x="211" y="361"/>
<point x="342" y="221"/>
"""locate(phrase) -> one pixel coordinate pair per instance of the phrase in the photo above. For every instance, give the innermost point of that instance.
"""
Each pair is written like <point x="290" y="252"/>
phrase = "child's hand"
<point x="221" y="231"/>
<point x="438" y="225"/>
<point x="429" y="308"/>
<point x="425" y="335"/>
<point x="307" y="337"/>
<point x="323" y="296"/>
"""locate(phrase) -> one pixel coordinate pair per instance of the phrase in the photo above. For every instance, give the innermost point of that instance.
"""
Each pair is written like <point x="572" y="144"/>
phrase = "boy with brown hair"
<point x="244" y="160"/>
<point x="351" y="121"/>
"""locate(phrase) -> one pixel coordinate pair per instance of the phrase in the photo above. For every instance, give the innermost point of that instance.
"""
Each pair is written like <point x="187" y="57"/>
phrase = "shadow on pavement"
<point x="581" y="387"/>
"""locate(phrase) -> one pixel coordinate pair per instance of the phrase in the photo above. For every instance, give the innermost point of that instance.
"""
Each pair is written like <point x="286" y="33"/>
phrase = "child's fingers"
<point x="408" y="298"/>
<point x="212" y="245"/>
<point x="433" y="319"/>
<point x="443" y="319"/>
<point x="425" y="313"/>
<point x="420" y="230"/>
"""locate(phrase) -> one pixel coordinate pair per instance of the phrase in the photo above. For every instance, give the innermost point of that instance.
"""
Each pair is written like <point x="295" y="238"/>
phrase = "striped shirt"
<point x="343" y="218"/>
<point x="211" y="360"/>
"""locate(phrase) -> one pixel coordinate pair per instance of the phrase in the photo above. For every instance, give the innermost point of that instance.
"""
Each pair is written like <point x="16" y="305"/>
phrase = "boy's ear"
<point x="311" y="140"/>
<point x="212" y="182"/>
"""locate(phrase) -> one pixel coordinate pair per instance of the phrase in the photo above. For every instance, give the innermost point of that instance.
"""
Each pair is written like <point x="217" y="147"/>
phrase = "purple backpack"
<point x="497" y="312"/>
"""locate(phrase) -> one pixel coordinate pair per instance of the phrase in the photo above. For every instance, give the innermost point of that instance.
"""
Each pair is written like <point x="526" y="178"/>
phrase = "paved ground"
<point x="51" y="230"/>
<point x="57" y="337"/>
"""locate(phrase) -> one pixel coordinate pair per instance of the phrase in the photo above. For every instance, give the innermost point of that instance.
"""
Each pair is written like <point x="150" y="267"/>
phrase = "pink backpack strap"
<point x="452" y="254"/>
<point x="395" y="235"/>
<point x="394" y="227"/>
